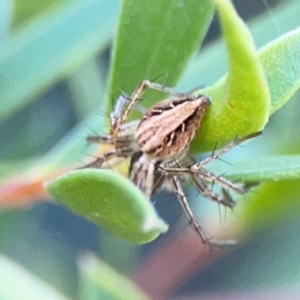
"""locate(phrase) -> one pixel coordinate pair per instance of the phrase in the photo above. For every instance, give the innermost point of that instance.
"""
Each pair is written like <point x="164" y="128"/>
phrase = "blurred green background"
<point x="46" y="239"/>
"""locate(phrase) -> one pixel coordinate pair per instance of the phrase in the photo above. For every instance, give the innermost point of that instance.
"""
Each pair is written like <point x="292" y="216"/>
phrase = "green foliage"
<point x="58" y="42"/>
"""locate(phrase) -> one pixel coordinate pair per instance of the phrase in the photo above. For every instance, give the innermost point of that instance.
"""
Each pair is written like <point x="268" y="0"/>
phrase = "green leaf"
<point x="266" y="168"/>
<point x="281" y="62"/>
<point x="241" y="101"/>
<point x="273" y="203"/>
<point x="110" y="201"/>
<point x="59" y="42"/>
<point x="99" y="281"/>
<point x="211" y="63"/>
<point x="17" y="283"/>
<point x="155" y="40"/>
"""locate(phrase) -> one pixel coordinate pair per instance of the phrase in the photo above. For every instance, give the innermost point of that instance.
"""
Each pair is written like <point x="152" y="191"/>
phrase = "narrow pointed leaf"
<point x="240" y="102"/>
<point x="155" y="40"/>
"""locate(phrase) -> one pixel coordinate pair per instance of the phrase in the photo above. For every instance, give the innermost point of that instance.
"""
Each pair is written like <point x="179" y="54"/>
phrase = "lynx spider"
<point x="158" y="145"/>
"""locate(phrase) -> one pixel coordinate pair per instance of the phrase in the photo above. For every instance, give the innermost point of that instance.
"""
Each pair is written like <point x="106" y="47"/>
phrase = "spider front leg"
<point x="144" y="85"/>
<point x="125" y="105"/>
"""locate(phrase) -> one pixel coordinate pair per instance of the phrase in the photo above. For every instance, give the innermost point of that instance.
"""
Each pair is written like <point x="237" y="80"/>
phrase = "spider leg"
<point x="116" y="114"/>
<point x="216" y="154"/>
<point x="146" y="84"/>
<point x="222" y="181"/>
<point x="98" y="162"/>
<point x="199" y="176"/>
<point x="101" y="139"/>
<point x="175" y="181"/>
<point x="124" y="144"/>
<point x="226" y="195"/>
<point x="208" y="193"/>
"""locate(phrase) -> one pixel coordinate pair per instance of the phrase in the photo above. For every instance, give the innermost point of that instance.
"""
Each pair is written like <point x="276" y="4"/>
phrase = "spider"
<point x="158" y="145"/>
